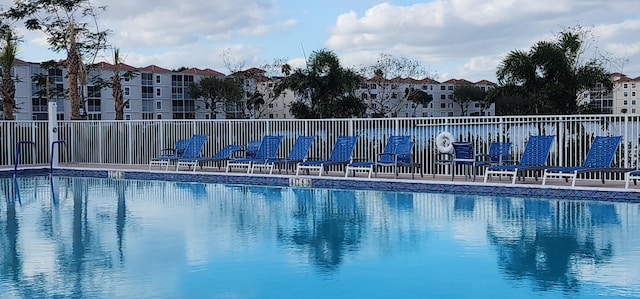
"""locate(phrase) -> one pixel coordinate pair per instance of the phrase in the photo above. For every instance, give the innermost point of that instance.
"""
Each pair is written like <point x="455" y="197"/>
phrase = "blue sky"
<point x="463" y="39"/>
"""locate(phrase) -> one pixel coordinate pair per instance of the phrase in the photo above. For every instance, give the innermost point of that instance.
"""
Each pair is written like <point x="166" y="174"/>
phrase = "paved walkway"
<point x="613" y="185"/>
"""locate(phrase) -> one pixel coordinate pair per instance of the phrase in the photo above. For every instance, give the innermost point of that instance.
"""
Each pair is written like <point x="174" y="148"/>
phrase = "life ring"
<point x="443" y="142"/>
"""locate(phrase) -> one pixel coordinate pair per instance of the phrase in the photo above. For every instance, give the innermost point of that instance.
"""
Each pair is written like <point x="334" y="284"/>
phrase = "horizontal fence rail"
<point x="136" y="142"/>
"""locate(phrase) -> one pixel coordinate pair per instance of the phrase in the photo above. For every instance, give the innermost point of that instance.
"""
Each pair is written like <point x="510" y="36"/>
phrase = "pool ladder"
<point x="28" y="142"/>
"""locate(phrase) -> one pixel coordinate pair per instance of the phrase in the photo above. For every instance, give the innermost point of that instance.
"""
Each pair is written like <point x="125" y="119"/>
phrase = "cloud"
<point x="176" y="23"/>
<point x="476" y="34"/>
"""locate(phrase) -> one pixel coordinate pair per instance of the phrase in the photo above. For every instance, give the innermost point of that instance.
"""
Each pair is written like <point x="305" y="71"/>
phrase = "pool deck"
<point x="558" y="188"/>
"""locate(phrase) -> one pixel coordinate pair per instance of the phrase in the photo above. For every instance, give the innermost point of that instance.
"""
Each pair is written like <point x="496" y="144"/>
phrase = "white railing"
<point x="135" y="142"/>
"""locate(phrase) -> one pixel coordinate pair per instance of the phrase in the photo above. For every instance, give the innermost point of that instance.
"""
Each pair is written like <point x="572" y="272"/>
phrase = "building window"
<point x="625" y="102"/>
<point x="126" y="91"/>
<point x="158" y="116"/>
<point x="158" y="105"/>
<point x="373" y="86"/>
<point x="442" y="87"/>
<point x="127" y="116"/>
<point x="443" y="96"/>
<point x="443" y="105"/>
<point x="157" y="78"/>
<point x="633" y="93"/>
<point x="625" y="85"/>
<point x="147" y="92"/>
<point x="625" y="94"/>
<point x="147" y="79"/>
<point x="633" y="102"/>
<point x="158" y="92"/>
<point x="450" y="87"/>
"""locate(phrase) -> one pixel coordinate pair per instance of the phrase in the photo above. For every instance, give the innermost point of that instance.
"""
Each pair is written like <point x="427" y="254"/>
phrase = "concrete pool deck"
<point x="555" y="188"/>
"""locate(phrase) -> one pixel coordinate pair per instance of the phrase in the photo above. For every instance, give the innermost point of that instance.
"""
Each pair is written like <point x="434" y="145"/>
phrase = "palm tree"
<point x="116" y="87"/>
<point x="7" y="87"/>
<point x="550" y="75"/>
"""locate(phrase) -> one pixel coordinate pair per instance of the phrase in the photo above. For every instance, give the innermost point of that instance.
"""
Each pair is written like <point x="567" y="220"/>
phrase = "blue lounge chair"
<point x="169" y="155"/>
<point x="396" y="153"/>
<point x="340" y="155"/>
<point x="225" y="154"/>
<point x="465" y="155"/>
<point x="298" y="153"/>
<point x="598" y="159"/>
<point x="499" y="153"/>
<point x="192" y="150"/>
<point x="252" y="148"/>
<point x="533" y="158"/>
<point x="268" y="149"/>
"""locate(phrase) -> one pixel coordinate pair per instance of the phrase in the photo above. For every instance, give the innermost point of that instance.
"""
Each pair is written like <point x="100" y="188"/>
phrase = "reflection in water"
<point x="554" y="238"/>
<point x="328" y="223"/>
<point x="102" y="238"/>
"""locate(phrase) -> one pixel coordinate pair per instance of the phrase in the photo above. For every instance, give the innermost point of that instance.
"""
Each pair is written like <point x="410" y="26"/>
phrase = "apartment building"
<point x="622" y="99"/>
<point x="626" y="92"/>
<point x="153" y="92"/>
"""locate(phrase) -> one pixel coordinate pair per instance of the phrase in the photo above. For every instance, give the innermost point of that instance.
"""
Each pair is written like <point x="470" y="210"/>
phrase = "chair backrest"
<point x="252" y="148"/>
<point x="180" y="146"/>
<point x="343" y="149"/>
<point x="227" y="151"/>
<point x="499" y="152"/>
<point x="601" y="152"/>
<point x="194" y="147"/>
<point x="268" y="147"/>
<point x="537" y="150"/>
<point x="300" y="148"/>
<point x="395" y="144"/>
<point x="463" y="151"/>
<point x="403" y="151"/>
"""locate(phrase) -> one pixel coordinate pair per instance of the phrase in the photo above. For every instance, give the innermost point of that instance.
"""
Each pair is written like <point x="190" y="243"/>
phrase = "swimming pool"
<point x="116" y="238"/>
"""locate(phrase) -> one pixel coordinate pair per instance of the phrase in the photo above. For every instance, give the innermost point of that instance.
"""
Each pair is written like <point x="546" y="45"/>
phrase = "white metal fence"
<point x="135" y="142"/>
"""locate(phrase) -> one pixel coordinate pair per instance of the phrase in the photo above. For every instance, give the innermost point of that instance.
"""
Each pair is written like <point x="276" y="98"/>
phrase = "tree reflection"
<point x="551" y="240"/>
<point x="329" y="223"/>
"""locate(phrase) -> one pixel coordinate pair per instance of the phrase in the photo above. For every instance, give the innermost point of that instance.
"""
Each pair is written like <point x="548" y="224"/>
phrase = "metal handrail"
<point x="53" y="145"/>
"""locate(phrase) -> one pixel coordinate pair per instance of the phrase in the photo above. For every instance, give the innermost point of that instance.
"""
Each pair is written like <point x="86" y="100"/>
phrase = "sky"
<point x="452" y="39"/>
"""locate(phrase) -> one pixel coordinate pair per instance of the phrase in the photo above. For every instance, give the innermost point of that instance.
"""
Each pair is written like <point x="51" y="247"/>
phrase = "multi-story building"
<point x="626" y="92"/>
<point x="388" y="98"/>
<point x="623" y="98"/>
<point x="153" y="92"/>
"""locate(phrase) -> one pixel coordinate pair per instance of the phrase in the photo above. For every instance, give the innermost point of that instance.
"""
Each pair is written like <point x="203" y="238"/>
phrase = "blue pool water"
<point x="106" y="238"/>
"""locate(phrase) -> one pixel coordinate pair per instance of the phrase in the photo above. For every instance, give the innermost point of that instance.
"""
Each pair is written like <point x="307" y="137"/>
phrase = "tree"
<point x="324" y="88"/>
<point x="216" y="92"/>
<point x="417" y="97"/>
<point x="465" y="94"/>
<point x="116" y="88"/>
<point x="66" y="24"/>
<point x="7" y="59"/>
<point x="551" y="74"/>
<point x="385" y="75"/>
<point x="115" y="83"/>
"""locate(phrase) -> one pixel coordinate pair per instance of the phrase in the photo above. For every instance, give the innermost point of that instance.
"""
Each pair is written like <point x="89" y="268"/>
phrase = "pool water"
<point x="65" y="237"/>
